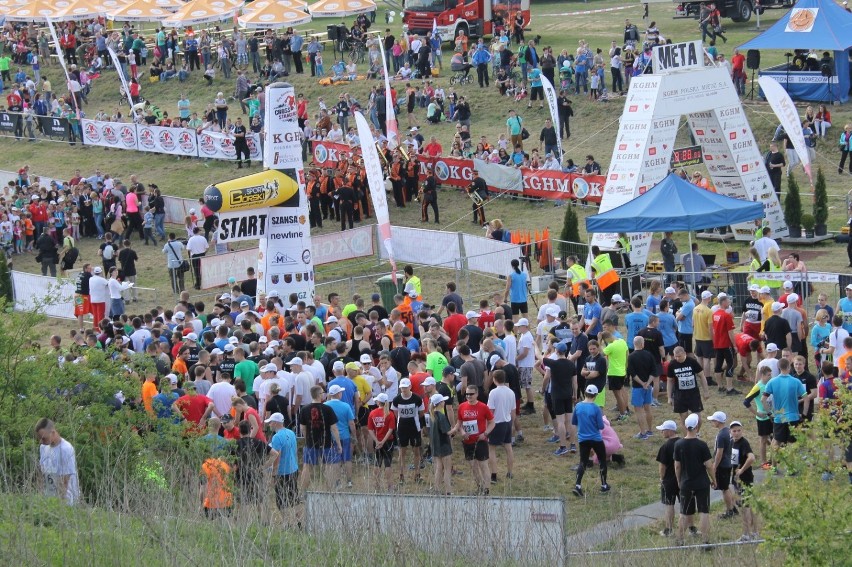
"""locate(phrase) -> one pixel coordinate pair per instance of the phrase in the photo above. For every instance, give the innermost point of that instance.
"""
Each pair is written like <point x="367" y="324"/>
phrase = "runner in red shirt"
<point x="746" y="344"/>
<point x="486" y="316"/>
<point x="417" y="377"/>
<point x="475" y="422"/>
<point x="381" y="424"/>
<point x="723" y="343"/>
<point x="194" y="408"/>
<point x="453" y="323"/>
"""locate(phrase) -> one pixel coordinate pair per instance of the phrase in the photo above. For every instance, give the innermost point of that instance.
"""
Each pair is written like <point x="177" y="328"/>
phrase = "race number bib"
<point x="407" y="411"/>
<point x="470" y="427"/>
<point x="428" y="419"/>
<point x="735" y="456"/>
<point x="686" y="382"/>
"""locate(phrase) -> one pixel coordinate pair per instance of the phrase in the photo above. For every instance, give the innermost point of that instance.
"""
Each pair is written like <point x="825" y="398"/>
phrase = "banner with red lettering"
<point x="116" y="135"/>
<point x="167" y="140"/>
<point x="458" y="172"/>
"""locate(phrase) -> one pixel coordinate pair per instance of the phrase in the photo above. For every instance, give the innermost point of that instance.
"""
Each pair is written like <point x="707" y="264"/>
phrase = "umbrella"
<point x="201" y="12"/>
<point x="86" y="9"/>
<point x="144" y="11"/>
<point x="271" y="14"/>
<point x="341" y="8"/>
<point x="252" y="6"/>
<point x="40" y="10"/>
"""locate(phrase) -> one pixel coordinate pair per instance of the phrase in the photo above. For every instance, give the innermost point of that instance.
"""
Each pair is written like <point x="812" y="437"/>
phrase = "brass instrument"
<point x="382" y="155"/>
<point x="421" y="192"/>
<point x="401" y="149"/>
<point x="474" y="196"/>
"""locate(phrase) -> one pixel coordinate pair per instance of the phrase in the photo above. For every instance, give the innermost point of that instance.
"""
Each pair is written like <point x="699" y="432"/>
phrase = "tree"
<point x="820" y="200"/>
<point x="811" y="491"/>
<point x="570" y="233"/>
<point x="6" y="282"/>
<point x="793" y="204"/>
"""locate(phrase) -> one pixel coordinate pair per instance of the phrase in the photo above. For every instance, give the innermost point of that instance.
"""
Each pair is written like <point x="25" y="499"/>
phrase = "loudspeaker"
<point x="753" y="59"/>
<point x="332" y="32"/>
<point x="825" y="69"/>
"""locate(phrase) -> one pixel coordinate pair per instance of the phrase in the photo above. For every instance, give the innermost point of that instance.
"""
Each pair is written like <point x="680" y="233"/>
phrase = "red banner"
<point x="458" y="172"/>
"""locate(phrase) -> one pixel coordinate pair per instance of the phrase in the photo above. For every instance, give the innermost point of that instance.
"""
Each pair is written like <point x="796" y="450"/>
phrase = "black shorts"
<point x="536" y="93"/>
<point x="764" y="427"/>
<point x="548" y="404"/>
<point x="685" y="340"/>
<point x="616" y="382"/>
<point x="669" y="351"/>
<point x="409" y="436"/>
<point x="695" y="500"/>
<point x="363" y="414"/>
<point x="519" y="308"/>
<point x="669" y="493"/>
<point x="782" y="434"/>
<point x="563" y="406"/>
<point x="724" y="356"/>
<point x="384" y="456"/>
<point x="723" y="478"/>
<point x="688" y="404"/>
<point x="501" y="434"/>
<point x="704" y="349"/>
<point x="478" y="451"/>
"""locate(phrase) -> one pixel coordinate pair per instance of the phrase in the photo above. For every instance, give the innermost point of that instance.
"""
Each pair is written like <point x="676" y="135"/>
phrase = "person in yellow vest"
<point x="605" y="275"/>
<point x="775" y="264"/>
<point x="755" y="267"/>
<point x="576" y="276"/>
<point x="760" y="224"/>
<point x="410" y="278"/>
<point x="623" y="244"/>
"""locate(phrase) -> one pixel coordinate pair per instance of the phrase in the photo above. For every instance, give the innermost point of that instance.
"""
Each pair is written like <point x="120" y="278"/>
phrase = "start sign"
<point x="678" y="57"/>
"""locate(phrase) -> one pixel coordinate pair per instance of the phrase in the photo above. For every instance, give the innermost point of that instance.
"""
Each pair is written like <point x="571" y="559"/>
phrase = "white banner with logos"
<point x="284" y="137"/>
<point x="116" y="135"/>
<point x="286" y="261"/>
<point x="172" y="141"/>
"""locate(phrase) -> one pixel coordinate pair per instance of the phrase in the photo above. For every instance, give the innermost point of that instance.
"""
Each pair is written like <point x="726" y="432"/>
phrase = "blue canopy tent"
<point x="675" y="204"/>
<point x="821" y="25"/>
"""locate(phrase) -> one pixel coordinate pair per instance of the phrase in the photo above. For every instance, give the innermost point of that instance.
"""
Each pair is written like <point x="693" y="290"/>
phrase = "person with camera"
<point x="175" y="262"/>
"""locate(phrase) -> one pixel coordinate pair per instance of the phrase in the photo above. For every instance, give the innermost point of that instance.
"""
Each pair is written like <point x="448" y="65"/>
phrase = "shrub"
<point x="820" y="199"/>
<point x="793" y="204"/>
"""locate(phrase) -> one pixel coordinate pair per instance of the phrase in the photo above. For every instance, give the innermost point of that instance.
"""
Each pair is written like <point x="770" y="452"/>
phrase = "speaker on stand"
<point x="827" y="72"/>
<point x="752" y="63"/>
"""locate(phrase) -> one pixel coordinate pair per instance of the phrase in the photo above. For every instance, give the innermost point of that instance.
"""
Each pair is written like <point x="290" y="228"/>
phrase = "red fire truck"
<point x="475" y="17"/>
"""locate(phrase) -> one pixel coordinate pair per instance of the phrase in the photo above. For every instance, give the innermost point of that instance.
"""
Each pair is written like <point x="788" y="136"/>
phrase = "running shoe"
<point x="509" y="476"/>
<point x="547" y="428"/>
<point x="520" y="437"/>
<point x="744" y="538"/>
<point x="578" y="490"/>
<point x="640" y="436"/>
<point x="693" y="530"/>
<point x="666" y="532"/>
<point x="655" y="404"/>
<point x="732" y="392"/>
<point x="573" y="448"/>
<point x="553" y="439"/>
<point x="649" y="433"/>
<point x="766" y="466"/>
<point x="605" y="488"/>
<point x="560" y="451"/>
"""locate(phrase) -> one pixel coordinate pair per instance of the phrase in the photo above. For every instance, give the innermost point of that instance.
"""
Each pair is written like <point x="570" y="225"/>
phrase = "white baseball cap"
<point x="429" y="381"/>
<point x="765" y="289"/>
<point x="437" y="399"/>
<point x="771" y="347"/>
<point x="592" y="390"/>
<point x="97" y="270"/>
<point x="381" y="398"/>
<point x="719" y="416"/>
<point x="269" y="368"/>
<point x="691" y="421"/>
<point x="706" y="294"/>
<point x="671" y="290"/>
<point x="849" y="286"/>
<point x="338" y="365"/>
<point x="267" y="352"/>
<point x="172" y="378"/>
<point x="216" y="351"/>
<point x="667" y="425"/>
<point x="229" y="347"/>
<point x="617" y="299"/>
<point x="275" y="417"/>
<point x="405" y="383"/>
<point x="233" y="340"/>
<point x="331" y="319"/>
<point x="522" y="322"/>
<point x="777" y="306"/>
<point x="788" y="285"/>
<point x="366" y="359"/>
<point x="179" y="315"/>
<point x="274" y="344"/>
<point x="754" y="287"/>
<point x="215" y="322"/>
<point x="192" y="337"/>
<point x="296" y="361"/>
<point x="472" y="315"/>
<point x="722" y="295"/>
<point x="273" y="293"/>
<point x="263" y="340"/>
<point x="334" y="389"/>
<point x="244" y="304"/>
<point x="792" y="299"/>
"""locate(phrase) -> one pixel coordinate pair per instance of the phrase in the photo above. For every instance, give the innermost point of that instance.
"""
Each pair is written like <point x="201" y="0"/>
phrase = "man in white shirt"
<point x="314" y="367"/>
<point x="57" y="463"/>
<point x="302" y="384"/>
<point x="221" y="393"/>
<point x="173" y="249"/>
<point x="543" y="329"/>
<point x="197" y="247"/>
<point x="98" y="294"/>
<point x="764" y="244"/>
<point x="267" y="377"/>
<point x="769" y="360"/>
<point x="501" y="400"/>
<point x="510" y="343"/>
<point x="525" y="363"/>
<point x="335" y="135"/>
<point x="388" y="381"/>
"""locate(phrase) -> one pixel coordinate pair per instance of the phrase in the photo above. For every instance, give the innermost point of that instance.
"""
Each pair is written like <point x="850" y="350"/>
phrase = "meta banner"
<point x="458" y="172"/>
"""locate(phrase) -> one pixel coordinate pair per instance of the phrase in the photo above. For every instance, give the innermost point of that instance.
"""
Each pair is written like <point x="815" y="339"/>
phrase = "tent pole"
<point x="689" y="251"/>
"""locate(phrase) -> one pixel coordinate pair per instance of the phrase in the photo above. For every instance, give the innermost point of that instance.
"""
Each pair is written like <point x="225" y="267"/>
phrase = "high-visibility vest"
<point x="625" y="245"/>
<point x="578" y="276"/>
<point x="755" y="264"/>
<point x="774" y="283"/>
<point x="605" y="275"/>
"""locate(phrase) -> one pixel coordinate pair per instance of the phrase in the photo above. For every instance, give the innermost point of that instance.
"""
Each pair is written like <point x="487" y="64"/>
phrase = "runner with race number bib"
<point x="409" y="410"/>
<point x="475" y="422"/>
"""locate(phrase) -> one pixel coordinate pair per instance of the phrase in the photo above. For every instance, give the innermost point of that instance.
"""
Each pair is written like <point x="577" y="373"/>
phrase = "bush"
<point x="793" y="203"/>
<point x="820" y="199"/>
<point x="808" y="221"/>
<point x="6" y="282"/>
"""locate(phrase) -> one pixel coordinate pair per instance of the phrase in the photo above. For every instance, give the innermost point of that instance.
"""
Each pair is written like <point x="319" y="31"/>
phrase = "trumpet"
<point x="421" y="192"/>
<point x="474" y="196"/>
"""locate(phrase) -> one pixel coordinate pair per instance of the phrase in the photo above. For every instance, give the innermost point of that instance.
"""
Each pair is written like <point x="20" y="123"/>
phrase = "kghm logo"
<point x="581" y="188"/>
<point x="442" y="171"/>
<point x="320" y="153"/>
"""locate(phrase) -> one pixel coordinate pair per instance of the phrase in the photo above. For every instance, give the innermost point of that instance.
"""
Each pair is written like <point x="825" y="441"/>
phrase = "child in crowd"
<point x="320" y="67"/>
<point x="148" y="225"/>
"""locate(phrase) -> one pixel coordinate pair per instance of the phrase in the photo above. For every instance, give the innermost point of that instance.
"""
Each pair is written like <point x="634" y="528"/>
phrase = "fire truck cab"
<point x="476" y="18"/>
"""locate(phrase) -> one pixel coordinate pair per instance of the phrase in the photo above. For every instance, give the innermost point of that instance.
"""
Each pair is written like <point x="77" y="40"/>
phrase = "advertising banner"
<point x="256" y="191"/>
<point x="216" y="145"/>
<point x="215" y="270"/>
<point x="458" y="172"/>
<point x="283" y="136"/>
<point x="160" y="139"/>
<point x="243" y="225"/>
<point x="53" y="127"/>
<point x="116" y="135"/>
<point x="285" y="260"/>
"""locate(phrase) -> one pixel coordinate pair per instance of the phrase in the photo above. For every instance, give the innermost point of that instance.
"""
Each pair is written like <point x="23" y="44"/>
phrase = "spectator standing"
<point x="174" y="262"/>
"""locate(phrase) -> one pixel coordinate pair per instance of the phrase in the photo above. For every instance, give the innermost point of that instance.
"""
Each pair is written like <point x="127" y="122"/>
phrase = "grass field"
<point x="593" y="131"/>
